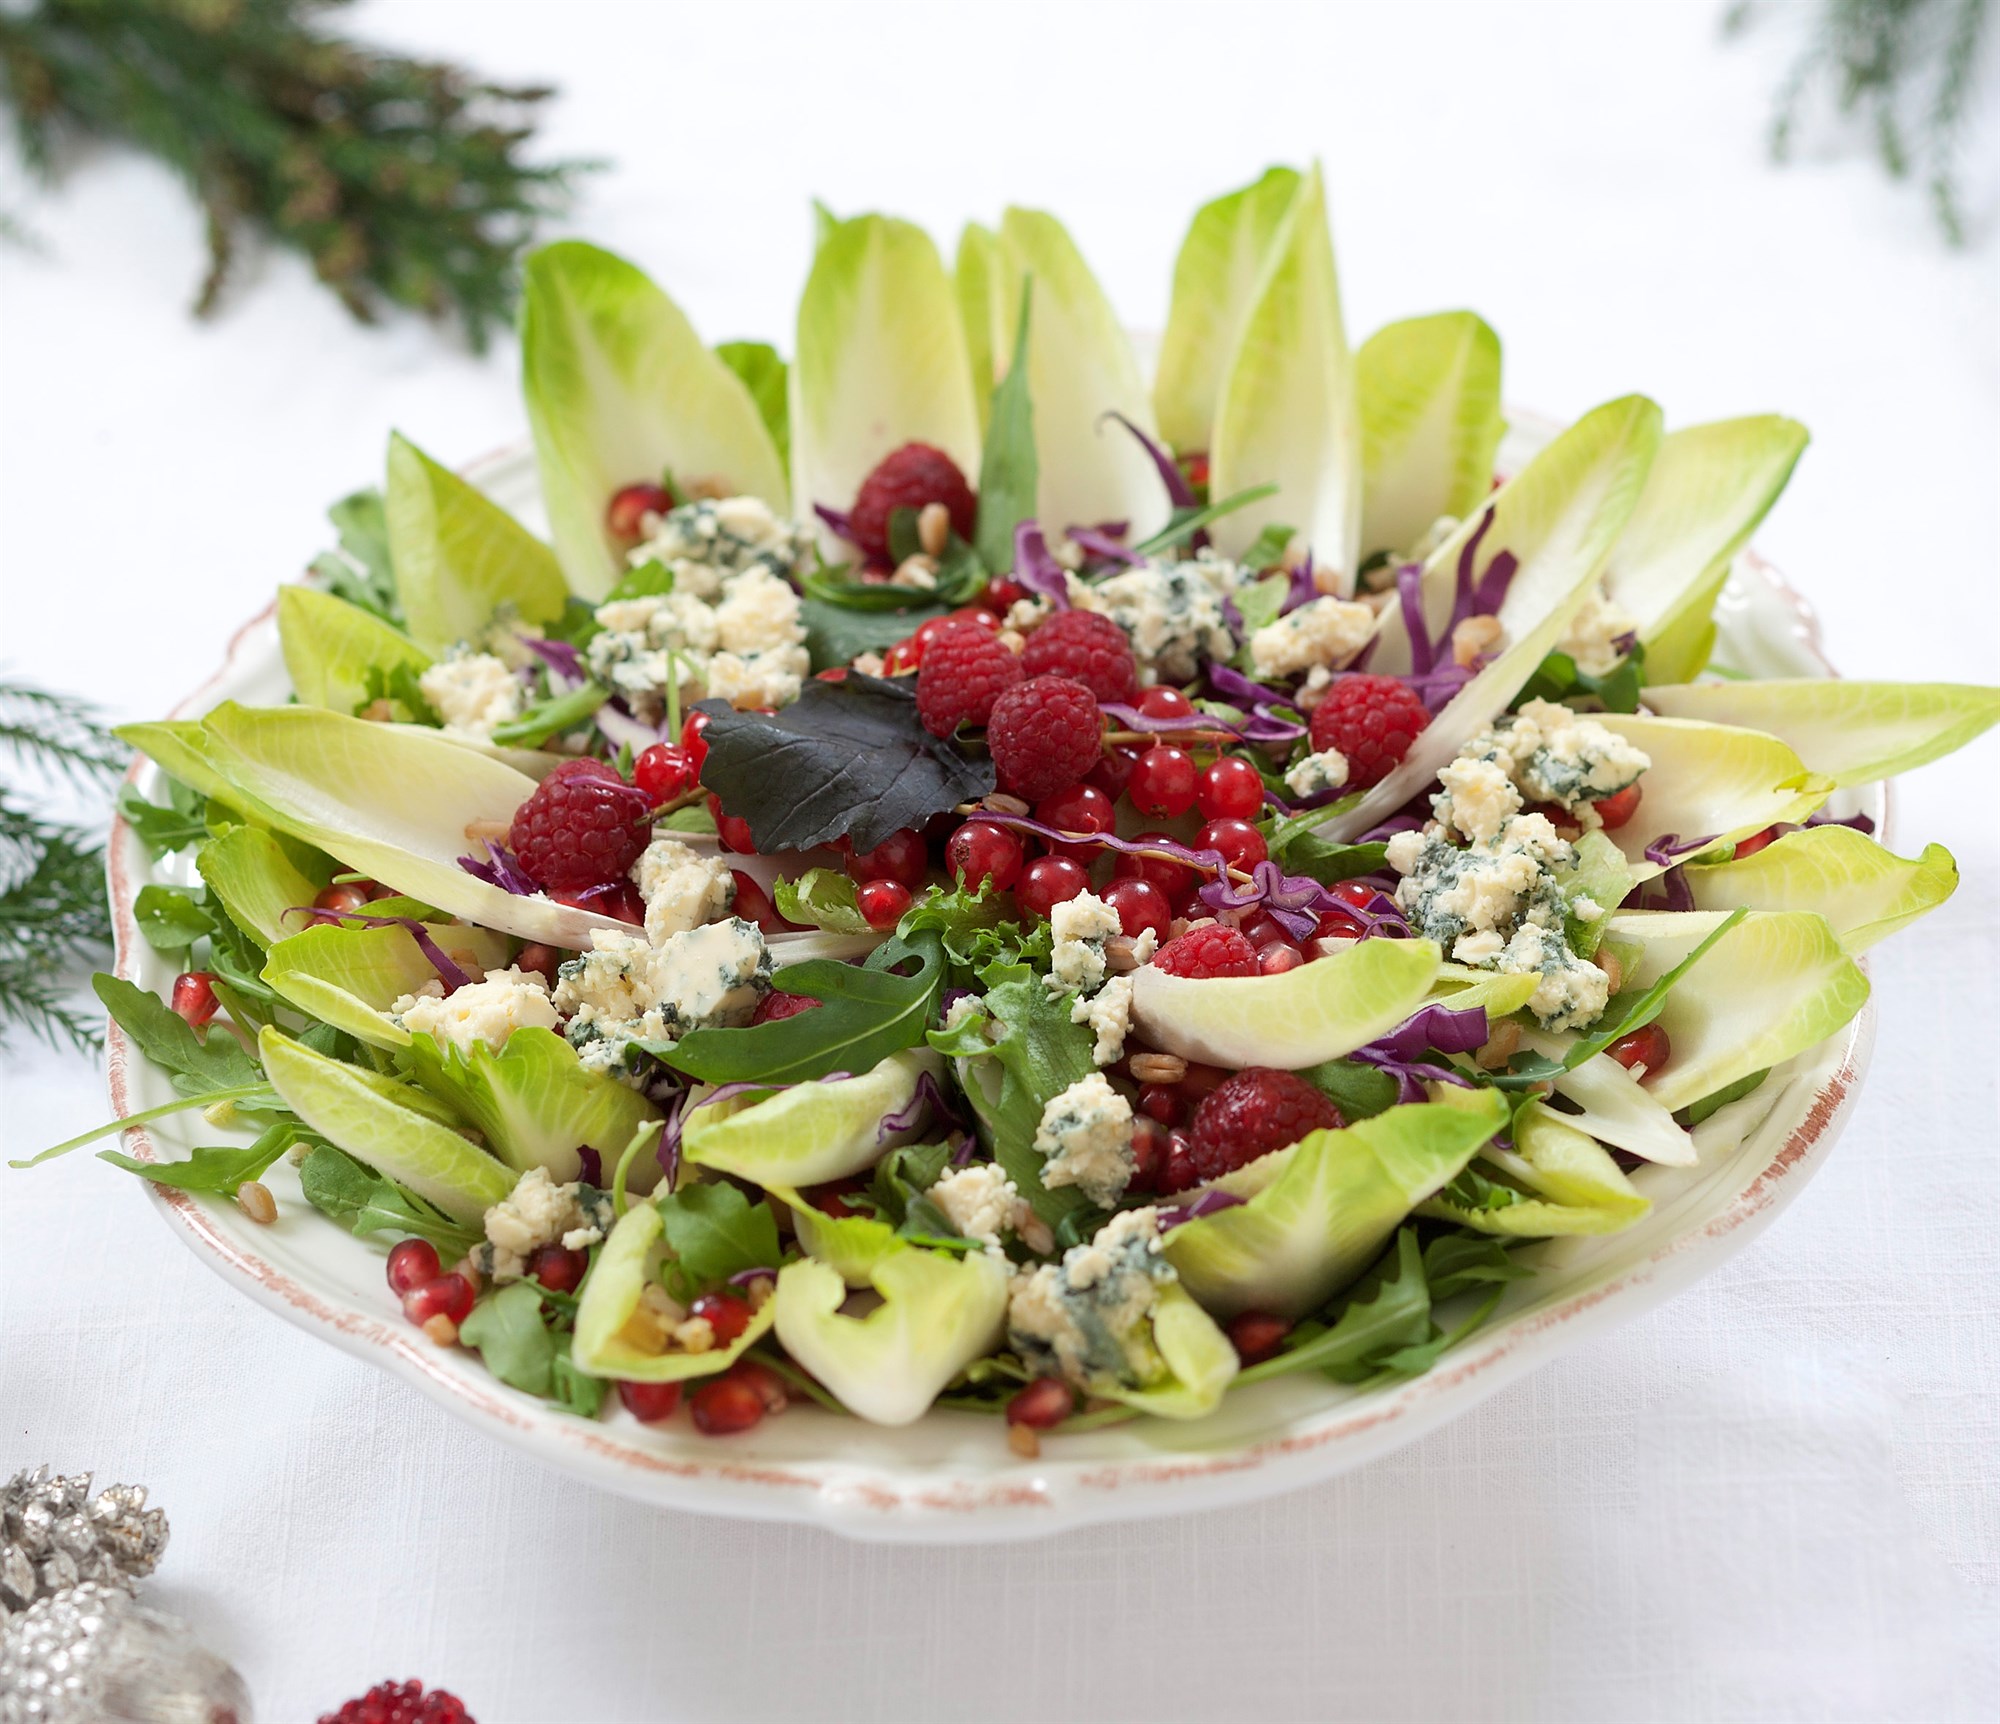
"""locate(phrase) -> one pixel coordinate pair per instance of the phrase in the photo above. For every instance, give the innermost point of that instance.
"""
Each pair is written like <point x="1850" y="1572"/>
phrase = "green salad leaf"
<point x="762" y="370"/>
<point x="820" y="898"/>
<point x="1863" y="890"/>
<point x="331" y="645"/>
<point x="1009" y="468"/>
<point x="714" y="1232"/>
<point x="364" y="1202"/>
<point x="194" y="1062"/>
<point x="808" y="1133"/>
<point x="508" y="1332"/>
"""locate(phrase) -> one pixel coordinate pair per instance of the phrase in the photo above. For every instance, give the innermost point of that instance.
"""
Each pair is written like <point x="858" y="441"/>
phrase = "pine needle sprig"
<point x="404" y="181"/>
<point x="1904" y="65"/>
<point x="54" y="915"/>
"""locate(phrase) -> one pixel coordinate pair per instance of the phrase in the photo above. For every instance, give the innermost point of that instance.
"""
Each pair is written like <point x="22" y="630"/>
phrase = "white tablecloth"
<point x="1777" y="1497"/>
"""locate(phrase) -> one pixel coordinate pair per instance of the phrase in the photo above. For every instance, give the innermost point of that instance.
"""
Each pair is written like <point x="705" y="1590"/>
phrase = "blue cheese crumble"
<point x="1322" y="634"/>
<point x="626" y="989"/>
<point x="1089" y="1318"/>
<point x="982" y="1203"/>
<point x="1108" y="1015"/>
<point x="1495" y="901"/>
<point x="1557" y="756"/>
<point x="705" y="542"/>
<point x="1081" y="926"/>
<point x="472" y="692"/>
<point x="1594" y="633"/>
<point x="682" y="889"/>
<point x="1086" y="1136"/>
<point x="539" y="1212"/>
<point x="1171" y="613"/>
<point x="1317" y="773"/>
<point x="486" y="1011"/>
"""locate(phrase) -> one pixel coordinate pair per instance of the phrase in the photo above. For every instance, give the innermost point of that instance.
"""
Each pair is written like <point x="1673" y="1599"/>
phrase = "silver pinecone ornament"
<point x="92" y="1654"/>
<point x="54" y="1534"/>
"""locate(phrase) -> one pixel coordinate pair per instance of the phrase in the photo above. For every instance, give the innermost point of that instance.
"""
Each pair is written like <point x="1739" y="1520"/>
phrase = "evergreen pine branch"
<point x="57" y="732"/>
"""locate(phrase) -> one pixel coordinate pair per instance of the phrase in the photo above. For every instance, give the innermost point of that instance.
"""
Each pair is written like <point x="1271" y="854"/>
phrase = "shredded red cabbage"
<point x="1179" y="492"/>
<point x="1104" y="542"/>
<point x="1208" y="861"/>
<point x="1208" y="1203"/>
<point x="1303" y="589"/>
<point x="743" y="1277"/>
<point x="447" y="972"/>
<point x="1668" y="891"/>
<point x="1401" y="1052"/>
<point x="1262" y="704"/>
<point x="500" y="869"/>
<point x="1858" y="822"/>
<point x="1297" y="903"/>
<point x="929" y="1102"/>
<point x="1036" y="569"/>
<point x="590" y="1165"/>
<point x="622" y="730"/>
<point x="560" y="656"/>
<point x="837" y="523"/>
<point x="962" y="1146"/>
<point x="1667" y="849"/>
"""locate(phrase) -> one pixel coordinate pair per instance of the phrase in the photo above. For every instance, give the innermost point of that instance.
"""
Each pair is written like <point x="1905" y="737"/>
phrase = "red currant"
<point x="1230" y="789"/>
<point x="1140" y="905"/>
<point x="1260" y="928"/>
<point x="1177" y="880"/>
<point x="726" y="1314"/>
<point x="649" y="1403"/>
<point x="665" y="771"/>
<point x="1356" y="892"/>
<point x="979" y="850"/>
<point x="194" y="997"/>
<point x="1165" y="702"/>
<point x="1645" y="1050"/>
<point x="558" y="1268"/>
<point x="1337" y="925"/>
<point x="882" y="903"/>
<point x="625" y="515"/>
<point x="443" y="1296"/>
<point x="1080" y="808"/>
<point x="1614" y="811"/>
<point x="902" y="856"/>
<point x="692" y="740"/>
<point x="754" y="904"/>
<point x="1113" y="772"/>
<point x="1048" y="881"/>
<point x="904" y="657"/>
<point x="412" y="1262"/>
<point x="1241" y="844"/>
<point x="1163" y="781"/>
<point x="734" y="833"/>
<point x="1002" y="596"/>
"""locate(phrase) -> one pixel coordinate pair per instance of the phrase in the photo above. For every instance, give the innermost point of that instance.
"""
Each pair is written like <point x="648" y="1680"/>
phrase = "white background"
<point x="1778" y="1497"/>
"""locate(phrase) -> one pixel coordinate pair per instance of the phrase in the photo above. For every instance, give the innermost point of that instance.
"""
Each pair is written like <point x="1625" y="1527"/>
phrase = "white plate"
<point x="952" y="1476"/>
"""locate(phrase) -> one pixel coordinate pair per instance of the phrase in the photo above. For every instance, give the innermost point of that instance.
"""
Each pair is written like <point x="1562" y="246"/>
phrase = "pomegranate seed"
<point x="412" y="1262"/>
<point x="902" y="856"/>
<point x="630" y="506"/>
<point x="1256" y="1336"/>
<point x="1164" y="702"/>
<point x="665" y="771"/>
<point x="1356" y="892"/>
<point x="558" y="1268"/>
<point x="692" y="740"/>
<point x="442" y="1296"/>
<point x="544" y="961"/>
<point x="346" y="897"/>
<point x="194" y="997"/>
<point x="1241" y="844"/>
<point x="725" y="1406"/>
<point x="1644" y="1050"/>
<point x="1140" y="905"/>
<point x="1196" y="469"/>
<point x="1337" y="925"/>
<point x="831" y="1198"/>
<point x="726" y="1314"/>
<point x="1230" y="789"/>
<point x="1162" y="1102"/>
<point x="1163" y="781"/>
<point x="1614" y="811"/>
<point x="1755" y="842"/>
<point x="649" y="1403"/>
<point x="1260" y="928"/>
<point x="1176" y="1166"/>
<point x="832" y="673"/>
<point x="1080" y="808"/>
<point x="1278" y="956"/>
<point x="1150" y="1140"/>
<point x="734" y="833"/>
<point x="768" y="1386"/>
<point x="620" y="899"/>
<point x="882" y="903"/>
<point x="1002" y="596"/>
<point x="979" y="850"/>
<point x="904" y="657"/>
<point x="1200" y="1079"/>
<point x="754" y="904"/>
<point x="1176" y="879"/>
<point x="1048" y="881"/>
<point x="1042" y="1405"/>
<point x="1114" y="771"/>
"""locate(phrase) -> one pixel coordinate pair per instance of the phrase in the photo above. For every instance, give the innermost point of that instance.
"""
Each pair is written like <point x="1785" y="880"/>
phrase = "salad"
<point x="955" y="879"/>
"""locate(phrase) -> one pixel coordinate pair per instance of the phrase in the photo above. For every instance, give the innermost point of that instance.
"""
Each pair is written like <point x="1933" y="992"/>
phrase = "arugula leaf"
<point x="363" y="1202"/>
<point x="1009" y="470"/>
<point x="837" y="633"/>
<point x="216" y="1168"/>
<point x="173" y="918"/>
<point x="399" y="686"/>
<point x="714" y="1232"/>
<point x="1459" y="1261"/>
<point x="1696" y="1111"/>
<point x="903" y="1176"/>
<point x="194" y="1064"/>
<point x="363" y="574"/>
<point x="1648" y="1006"/>
<point x="1389" y="1309"/>
<point x="820" y="898"/>
<point x="1617" y="690"/>
<point x="552" y="717"/>
<point x="570" y="1388"/>
<point x="1183" y="524"/>
<point x="867" y="1012"/>
<point x="693" y="818"/>
<point x="766" y="376"/>
<point x="236" y="958"/>
<point x="1267" y="550"/>
<point x="1359" y="1090"/>
<point x="846" y="759"/>
<point x="166" y="827"/>
<point x="512" y="1338"/>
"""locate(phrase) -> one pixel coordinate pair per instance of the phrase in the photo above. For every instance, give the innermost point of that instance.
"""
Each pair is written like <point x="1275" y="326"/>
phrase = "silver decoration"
<point x="54" y="1535"/>
<point x="94" y="1655"/>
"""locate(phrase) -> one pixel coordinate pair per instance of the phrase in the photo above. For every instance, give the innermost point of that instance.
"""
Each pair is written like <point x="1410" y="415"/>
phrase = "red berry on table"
<point x="442" y="1296"/>
<point x="1047" y="882"/>
<point x="1371" y="720"/>
<point x="194" y="997"/>
<point x="1644" y="1051"/>
<point x="774" y="1007"/>
<point x="1178" y="880"/>
<point x="625" y="516"/>
<point x="1085" y="647"/>
<point x="725" y="1313"/>
<point x="1216" y="950"/>
<point x="1165" y="702"/>
<point x="1140" y="905"/>
<point x="1044" y="735"/>
<point x="965" y="670"/>
<point x="1230" y="789"/>
<point x="1081" y="808"/>
<point x="1241" y="844"/>
<point x="908" y="478"/>
<point x="978" y="851"/>
<point x="583" y="826"/>
<point x="882" y="903"/>
<point x="1614" y="811"/>
<point x="1251" y="1113"/>
<point x="665" y="771"/>
<point x="1256" y="1335"/>
<point x="1042" y="1405"/>
<point x="401" y="1703"/>
<point x="733" y="831"/>
<point x="412" y="1262"/>
<point x="724" y="1406"/>
<point x="649" y="1403"/>
<point x="1163" y="781"/>
<point x="903" y="857"/>
<point x="558" y="1268"/>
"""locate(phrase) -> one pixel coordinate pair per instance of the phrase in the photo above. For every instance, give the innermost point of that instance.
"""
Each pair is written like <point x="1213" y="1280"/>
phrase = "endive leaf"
<point x="258" y="880"/>
<point x="1865" y="891"/>
<point x="331" y="645"/>
<point x="1578" y="1187"/>
<point x="1200" y="1362"/>
<point x="976" y="279"/>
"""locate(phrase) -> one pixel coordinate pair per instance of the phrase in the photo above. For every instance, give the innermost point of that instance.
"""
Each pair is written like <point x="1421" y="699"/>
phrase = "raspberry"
<point x="1214" y="950"/>
<point x="1045" y="734"/>
<point x="1085" y="647"/>
<point x="908" y="478"/>
<point x="1372" y="720"/>
<point x="1251" y="1113"/>
<point x="401" y="1703"/>
<point x="964" y="671"/>
<point x="775" y="1006"/>
<point x="584" y="826"/>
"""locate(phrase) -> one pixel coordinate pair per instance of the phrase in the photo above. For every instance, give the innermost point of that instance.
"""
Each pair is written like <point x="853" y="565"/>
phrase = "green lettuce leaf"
<point x="1570" y="1184"/>
<point x="1863" y="890"/>
<point x="820" y="898"/>
<point x="976" y="277"/>
<point x="258" y="878"/>
<point x="620" y="390"/>
<point x="810" y="1132"/>
<point x="763" y="371"/>
<point x="331" y="645"/>
<point x="1200" y="1362"/>
<point x="364" y="1203"/>
<point x="714" y="1232"/>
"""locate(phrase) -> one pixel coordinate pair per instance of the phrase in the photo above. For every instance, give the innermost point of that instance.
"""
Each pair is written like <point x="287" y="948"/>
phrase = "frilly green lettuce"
<point x="1865" y="891"/>
<point x="810" y="1132"/>
<point x="939" y="1312"/>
